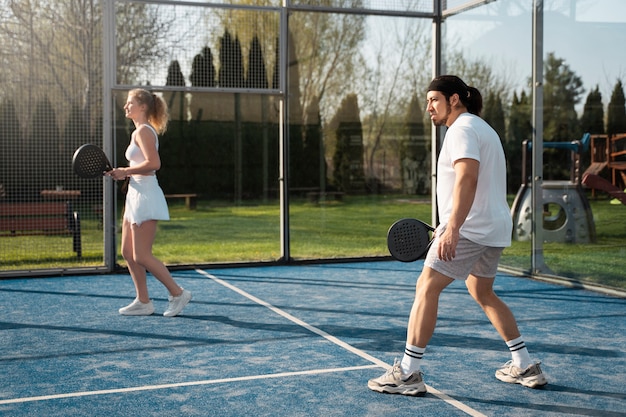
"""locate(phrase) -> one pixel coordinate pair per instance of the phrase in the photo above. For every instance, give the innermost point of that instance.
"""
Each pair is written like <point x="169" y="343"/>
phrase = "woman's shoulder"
<point x="146" y="131"/>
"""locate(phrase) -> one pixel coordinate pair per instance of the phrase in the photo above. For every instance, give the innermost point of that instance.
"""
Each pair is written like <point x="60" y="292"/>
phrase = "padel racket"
<point x="409" y="239"/>
<point x="89" y="161"/>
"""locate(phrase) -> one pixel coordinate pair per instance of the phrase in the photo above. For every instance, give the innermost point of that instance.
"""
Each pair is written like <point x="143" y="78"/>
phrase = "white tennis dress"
<point x="145" y="199"/>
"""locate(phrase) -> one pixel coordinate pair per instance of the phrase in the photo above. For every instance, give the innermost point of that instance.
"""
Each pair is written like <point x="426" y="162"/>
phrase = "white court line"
<point x="451" y="401"/>
<point x="181" y="384"/>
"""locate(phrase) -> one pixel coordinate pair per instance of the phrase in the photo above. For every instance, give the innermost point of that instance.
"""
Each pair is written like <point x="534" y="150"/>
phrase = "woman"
<point x="145" y="204"/>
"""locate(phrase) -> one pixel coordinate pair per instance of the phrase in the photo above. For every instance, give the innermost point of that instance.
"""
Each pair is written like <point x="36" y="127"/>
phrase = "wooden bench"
<point x="41" y="218"/>
<point x="317" y="196"/>
<point x="190" y="199"/>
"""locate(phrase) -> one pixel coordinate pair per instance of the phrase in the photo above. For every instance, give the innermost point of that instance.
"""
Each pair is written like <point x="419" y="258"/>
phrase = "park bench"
<point x="41" y="218"/>
<point x="190" y="199"/>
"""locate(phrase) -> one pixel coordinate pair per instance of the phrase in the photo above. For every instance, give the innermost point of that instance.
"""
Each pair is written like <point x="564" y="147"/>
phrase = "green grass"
<point x="602" y="262"/>
<point x="356" y="227"/>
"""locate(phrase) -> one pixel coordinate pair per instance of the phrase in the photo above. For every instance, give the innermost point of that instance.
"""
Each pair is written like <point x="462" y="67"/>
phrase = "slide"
<point x="599" y="183"/>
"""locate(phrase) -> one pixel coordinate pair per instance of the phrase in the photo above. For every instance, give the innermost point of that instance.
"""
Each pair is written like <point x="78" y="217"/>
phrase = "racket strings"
<point x="89" y="162"/>
<point x="408" y="237"/>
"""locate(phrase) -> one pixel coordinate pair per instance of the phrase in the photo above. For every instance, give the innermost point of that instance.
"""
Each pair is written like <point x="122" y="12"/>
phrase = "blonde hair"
<point x="157" y="111"/>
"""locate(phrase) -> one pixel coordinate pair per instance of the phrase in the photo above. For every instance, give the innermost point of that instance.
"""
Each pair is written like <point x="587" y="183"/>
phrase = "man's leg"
<point x="498" y="313"/>
<point x="521" y="369"/>
<point x="423" y="317"/>
<point x="405" y="377"/>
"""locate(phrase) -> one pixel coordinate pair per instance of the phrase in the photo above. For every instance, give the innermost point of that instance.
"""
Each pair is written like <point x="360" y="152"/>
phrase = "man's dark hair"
<point x="451" y="84"/>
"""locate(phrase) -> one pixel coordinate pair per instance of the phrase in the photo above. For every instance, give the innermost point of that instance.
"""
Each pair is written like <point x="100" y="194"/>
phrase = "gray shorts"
<point x="471" y="258"/>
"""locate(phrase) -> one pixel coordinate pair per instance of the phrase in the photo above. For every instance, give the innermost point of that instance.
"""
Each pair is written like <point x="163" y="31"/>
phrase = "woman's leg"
<point x="137" y="271"/>
<point x="142" y="240"/>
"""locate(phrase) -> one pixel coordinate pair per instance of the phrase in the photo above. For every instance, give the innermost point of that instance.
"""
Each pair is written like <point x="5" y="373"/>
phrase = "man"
<point x="475" y="227"/>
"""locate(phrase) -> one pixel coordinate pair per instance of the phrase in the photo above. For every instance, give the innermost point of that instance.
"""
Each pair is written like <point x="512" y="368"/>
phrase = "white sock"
<point x="411" y="359"/>
<point x="519" y="353"/>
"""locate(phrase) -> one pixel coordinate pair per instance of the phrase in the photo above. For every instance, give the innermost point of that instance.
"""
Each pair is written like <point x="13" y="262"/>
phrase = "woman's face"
<point x="132" y="108"/>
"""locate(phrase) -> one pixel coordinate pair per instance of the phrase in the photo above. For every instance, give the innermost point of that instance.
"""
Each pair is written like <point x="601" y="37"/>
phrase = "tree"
<point x="493" y="113"/>
<point x="561" y="92"/>
<point x="592" y="120"/>
<point x="413" y="155"/>
<point x="519" y="129"/>
<point x="54" y="49"/>
<point x="479" y="74"/>
<point x="616" y="114"/>
<point x="203" y="69"/>
<point x="326" y="45"/>
<point x="383" y="98"/>
<point x="348" y="172"/>
<point x="230" y="73"/>
<point x="257" y="74"/>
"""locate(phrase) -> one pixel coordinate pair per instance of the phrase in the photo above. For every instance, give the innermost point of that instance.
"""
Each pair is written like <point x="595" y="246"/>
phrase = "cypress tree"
<point x="231" y="63"/>
<point x="175" y="174"/>
<point x="519" y="129"/>
<point x="257" y="74"/>
<point x="562" y="90"/>
<point x="413" y="149"/>
<point x="493" y="114"/>
<point x="349" y="172"/>
<point x="203" y="69"/>
<point x="592" y="120"/>
<point x="616" y="113"/>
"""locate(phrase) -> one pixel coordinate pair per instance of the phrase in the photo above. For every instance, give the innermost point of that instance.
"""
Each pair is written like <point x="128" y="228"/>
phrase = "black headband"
<point x="449" y="84"/>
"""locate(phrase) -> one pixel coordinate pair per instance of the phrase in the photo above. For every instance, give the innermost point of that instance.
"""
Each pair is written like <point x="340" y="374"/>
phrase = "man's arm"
<point x="466" y="171"/>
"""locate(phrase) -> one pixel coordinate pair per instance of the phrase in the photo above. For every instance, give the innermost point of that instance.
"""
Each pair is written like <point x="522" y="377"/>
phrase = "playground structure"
<point x="567" y="216"/>
<point x="608" y="153"/>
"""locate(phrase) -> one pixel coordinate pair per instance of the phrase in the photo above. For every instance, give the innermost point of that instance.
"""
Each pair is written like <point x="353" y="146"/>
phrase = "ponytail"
<point x="473" y="101"/>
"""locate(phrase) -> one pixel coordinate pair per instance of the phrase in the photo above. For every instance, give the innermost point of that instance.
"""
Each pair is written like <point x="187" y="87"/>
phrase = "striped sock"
<point x="411" y="359"/>
<point x="519" y="353"/>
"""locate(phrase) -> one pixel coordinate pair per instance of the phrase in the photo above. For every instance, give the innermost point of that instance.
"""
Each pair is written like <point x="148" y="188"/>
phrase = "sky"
<point x="588" y="34"/>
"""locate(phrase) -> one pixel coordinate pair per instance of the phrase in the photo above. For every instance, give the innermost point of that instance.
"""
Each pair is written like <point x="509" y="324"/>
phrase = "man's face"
<point x="438" y="108"/>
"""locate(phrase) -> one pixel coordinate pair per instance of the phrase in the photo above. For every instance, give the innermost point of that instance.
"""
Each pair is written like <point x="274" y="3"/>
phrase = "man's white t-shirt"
<point x="489" y="220"/>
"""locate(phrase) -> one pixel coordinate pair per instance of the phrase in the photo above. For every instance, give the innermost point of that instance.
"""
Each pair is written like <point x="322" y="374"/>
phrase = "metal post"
<point x="283" y="179"/>
<point x="537" y="261"/>
<point x="109" y="65"/>
<point x="437" y="132"/>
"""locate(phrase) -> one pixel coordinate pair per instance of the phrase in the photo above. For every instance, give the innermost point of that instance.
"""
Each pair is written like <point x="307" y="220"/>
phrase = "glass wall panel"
<point x="583" y="72"/>
<point x="491" y="46"/>
<point x="219" y="174"/>
<point x="359" y="144"/>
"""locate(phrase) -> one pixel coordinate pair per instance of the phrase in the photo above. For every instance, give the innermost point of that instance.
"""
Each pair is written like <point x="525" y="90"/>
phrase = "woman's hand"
<point x="118" y="174"/>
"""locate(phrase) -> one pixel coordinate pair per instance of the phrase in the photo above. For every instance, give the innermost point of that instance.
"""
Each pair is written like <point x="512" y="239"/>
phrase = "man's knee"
<point x="431" y="283"/>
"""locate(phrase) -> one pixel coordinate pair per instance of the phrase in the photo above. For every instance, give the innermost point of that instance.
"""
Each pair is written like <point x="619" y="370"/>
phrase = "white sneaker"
<point x="137" y="308"/>
<point x="177" y="304"/>
<point x="531" y="377"/>
<point x="394" y="382"/>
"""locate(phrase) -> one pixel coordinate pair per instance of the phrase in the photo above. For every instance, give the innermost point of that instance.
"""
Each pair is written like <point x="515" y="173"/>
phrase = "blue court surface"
<point x="298" y="341"/>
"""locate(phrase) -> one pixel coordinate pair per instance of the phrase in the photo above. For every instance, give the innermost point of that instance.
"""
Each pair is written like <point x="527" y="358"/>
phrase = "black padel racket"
<point x="409" y="239"/>
<point x="89" y="161"/>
